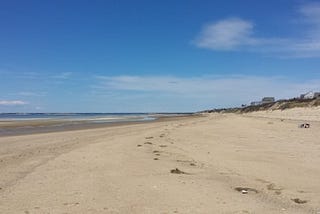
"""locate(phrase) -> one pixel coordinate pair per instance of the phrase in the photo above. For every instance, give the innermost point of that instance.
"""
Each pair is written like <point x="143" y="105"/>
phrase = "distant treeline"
<point x="277" y="105"/>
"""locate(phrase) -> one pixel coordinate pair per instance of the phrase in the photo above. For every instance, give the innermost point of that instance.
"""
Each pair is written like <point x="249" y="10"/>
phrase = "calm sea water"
<point x="88" y="117"/>
<point x="28" y="123"/>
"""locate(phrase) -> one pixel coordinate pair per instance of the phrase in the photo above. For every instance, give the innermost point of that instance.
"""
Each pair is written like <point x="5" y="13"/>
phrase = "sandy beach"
<point x="216" y="163"/>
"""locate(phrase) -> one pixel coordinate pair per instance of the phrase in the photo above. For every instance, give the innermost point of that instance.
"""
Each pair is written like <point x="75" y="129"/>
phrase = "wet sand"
<point x="211" y="164"/>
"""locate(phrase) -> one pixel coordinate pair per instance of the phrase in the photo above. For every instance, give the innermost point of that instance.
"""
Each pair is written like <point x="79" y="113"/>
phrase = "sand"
<point x="307" y="114"/>
<point x="217" y="163"/>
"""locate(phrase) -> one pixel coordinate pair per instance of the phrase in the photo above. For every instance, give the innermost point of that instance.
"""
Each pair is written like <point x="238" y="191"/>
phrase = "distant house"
<point x="263" y="101"/>
<point x="310" y="95"/>
<point x="268" y="100"/>
<point x="256" y="103"/>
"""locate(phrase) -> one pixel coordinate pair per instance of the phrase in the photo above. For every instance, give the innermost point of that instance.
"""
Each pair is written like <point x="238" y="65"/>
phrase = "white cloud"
<point x="226" y="34"/>
<point x="238" y="34"/>
<point x="12" y="103"/>
<point x="232" y="34"/>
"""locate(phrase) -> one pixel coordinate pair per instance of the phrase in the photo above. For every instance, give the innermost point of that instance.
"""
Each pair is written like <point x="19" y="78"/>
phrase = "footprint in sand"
<point x="148" y="137"/>
<point x="262" y="181"/>
<point x="156" y="152"/>
<point x="272" y="187"/>
<point x="299" y="201"/>
<point x="190" y="162"/>
<point x="67" y="204"/>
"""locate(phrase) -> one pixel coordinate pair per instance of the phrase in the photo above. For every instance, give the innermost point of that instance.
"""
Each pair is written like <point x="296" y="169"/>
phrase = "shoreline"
<point x="16" y="128"/>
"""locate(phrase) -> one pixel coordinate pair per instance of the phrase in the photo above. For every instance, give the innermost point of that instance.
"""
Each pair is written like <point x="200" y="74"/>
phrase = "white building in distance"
<point x="310" y="95"/>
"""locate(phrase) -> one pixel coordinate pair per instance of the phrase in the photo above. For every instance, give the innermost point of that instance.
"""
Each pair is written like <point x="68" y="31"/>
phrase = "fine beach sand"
<point x="127" y="169"/>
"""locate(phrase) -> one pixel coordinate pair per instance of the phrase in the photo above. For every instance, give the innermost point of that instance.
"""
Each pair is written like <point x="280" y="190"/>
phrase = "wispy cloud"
<point x="30" y="94"/>
<point x="26" y="75"/>
<point x="63" y="75"/>
<point x="311" y="13"/>
<point x="238" y="34"/>
<point x="12" y="102"/>
<point x="309" y="45"/>
<point x="229" y="90"/>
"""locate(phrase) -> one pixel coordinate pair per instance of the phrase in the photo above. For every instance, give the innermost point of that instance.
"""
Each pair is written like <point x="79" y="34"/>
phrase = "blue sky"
<point x="155" y="56"/>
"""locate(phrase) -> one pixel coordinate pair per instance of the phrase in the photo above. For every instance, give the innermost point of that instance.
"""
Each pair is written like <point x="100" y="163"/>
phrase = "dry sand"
<point x="307" y="114"/>
<point x="228" y="164"/>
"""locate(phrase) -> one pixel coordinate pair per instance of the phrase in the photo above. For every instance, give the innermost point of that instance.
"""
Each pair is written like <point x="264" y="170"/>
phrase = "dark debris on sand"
<point x="299" y="201"/>
<point x="177" y="171"/>
<point x="245" y="190"/>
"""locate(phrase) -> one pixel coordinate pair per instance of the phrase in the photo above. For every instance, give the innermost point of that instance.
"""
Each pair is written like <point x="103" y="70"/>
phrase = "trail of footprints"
<point x="162" y="145"/>
<point x="278" y="191"/>
<point x="244" y="190"/>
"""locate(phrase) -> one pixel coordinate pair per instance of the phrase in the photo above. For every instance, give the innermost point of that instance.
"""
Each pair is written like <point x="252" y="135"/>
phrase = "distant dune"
<point x="278" y="105"/>
<point x="300" y="113"/>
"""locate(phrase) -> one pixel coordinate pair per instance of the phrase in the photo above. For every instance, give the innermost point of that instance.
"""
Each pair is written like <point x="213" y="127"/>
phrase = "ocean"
<point x="27" y="123"/>
<point x="78" y="117"/>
